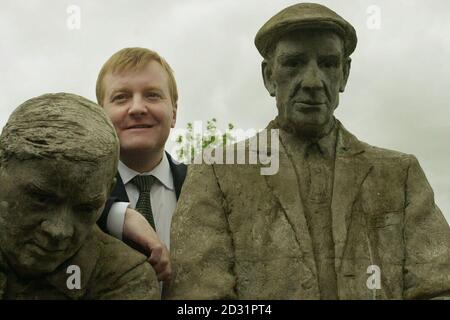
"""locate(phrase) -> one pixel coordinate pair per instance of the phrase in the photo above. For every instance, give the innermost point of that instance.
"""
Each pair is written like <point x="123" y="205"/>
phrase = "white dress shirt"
<point x="162" y="196"/>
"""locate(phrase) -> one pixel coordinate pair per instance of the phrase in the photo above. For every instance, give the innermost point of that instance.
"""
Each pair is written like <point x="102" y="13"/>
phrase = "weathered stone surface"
<point x="58" y="158"/>
<point x="239" y="234"/>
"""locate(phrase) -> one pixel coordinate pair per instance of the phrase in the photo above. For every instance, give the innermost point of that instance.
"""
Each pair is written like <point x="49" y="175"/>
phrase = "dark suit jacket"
<point x="119" y="193"/>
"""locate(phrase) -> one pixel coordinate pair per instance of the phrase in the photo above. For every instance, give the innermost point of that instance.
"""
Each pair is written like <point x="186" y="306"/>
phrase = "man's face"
<point x="140" y="107"/>
<point x="47" y="209"/>
<point x="306" y="75"/>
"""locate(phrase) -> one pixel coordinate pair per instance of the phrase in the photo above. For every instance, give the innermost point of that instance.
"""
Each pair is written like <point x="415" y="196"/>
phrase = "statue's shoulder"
<point x="348" y="141"/>
<point x="115" y="251"/>
<point x="120" y="271"/>
<point x="104" y="266"/>
<point x="392" y="161"/>
<point x="376" y="152"/>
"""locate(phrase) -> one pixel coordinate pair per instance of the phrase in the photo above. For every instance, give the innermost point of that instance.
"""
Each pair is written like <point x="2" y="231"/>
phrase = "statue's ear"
<point x="267" y="76"/>
<point x="346" y="72"/>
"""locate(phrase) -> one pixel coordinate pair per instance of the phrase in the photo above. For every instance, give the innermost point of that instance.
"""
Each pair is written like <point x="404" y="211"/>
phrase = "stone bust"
<point x="58" y="159"/>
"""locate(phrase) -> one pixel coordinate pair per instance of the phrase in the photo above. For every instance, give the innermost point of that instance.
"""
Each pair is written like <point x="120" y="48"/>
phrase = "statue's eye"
<point x="85" y="208"/>
<point x="330" y="62"/>
<point x="39" y="197"/>
<point x="293" y="63"/>
<point x="89" y="207"/>
<point x="42" y="199"/>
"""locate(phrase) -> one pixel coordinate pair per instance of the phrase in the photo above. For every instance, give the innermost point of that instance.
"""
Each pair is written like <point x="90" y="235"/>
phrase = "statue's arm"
<point x="427" y="240"/>
<point x="138" y="283"/>
<point x="201" y="245"/>
<point x="121" y="273"/>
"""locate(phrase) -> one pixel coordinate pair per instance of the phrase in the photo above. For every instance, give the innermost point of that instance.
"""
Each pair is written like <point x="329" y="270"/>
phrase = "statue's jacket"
<point x="108" y="268"/>
<point x="239" y="234"/>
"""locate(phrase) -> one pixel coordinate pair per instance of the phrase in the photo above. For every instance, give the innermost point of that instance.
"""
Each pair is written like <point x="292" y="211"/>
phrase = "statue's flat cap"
<point x="304" y="15"/>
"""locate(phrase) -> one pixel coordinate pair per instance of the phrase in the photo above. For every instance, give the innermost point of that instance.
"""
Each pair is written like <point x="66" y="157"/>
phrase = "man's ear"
<point x="267" y="76"/>
<point x="346" y="72"/>
<point x="174" y="115"/>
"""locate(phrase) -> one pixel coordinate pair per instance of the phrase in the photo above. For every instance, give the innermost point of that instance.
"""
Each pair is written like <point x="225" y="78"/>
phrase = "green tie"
<point x="144" y="206"/>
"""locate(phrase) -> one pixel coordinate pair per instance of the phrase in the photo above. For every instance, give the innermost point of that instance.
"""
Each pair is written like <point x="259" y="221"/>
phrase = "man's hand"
<point x="139" y="234"/>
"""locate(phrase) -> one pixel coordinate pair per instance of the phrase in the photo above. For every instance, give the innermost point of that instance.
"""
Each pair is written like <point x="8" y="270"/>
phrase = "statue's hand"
<point x="139" y="234"/>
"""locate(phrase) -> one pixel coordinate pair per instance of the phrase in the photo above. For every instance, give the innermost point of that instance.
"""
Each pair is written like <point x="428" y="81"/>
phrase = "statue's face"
<point x="307" y="73"/>
<point x="47" y="209"/>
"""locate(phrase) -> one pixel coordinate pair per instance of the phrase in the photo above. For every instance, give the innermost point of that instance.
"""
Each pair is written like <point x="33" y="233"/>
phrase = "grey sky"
<point x="397" y="96"/>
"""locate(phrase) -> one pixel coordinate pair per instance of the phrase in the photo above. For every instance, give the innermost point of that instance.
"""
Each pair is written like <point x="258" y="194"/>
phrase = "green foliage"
<point x="190" y="144"/>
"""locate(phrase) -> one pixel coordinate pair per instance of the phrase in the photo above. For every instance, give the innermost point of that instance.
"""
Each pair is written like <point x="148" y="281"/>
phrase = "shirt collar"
<point x="326" y="144"/>
<point x="162" y="172"/>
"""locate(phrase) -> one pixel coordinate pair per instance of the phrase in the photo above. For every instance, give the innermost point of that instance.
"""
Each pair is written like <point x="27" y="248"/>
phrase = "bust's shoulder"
<point x="108" y="269"/>
<point x="114" y="251"/>
<point x="120" y="272"/>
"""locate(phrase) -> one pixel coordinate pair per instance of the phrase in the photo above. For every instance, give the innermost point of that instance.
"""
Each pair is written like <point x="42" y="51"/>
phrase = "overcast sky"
<point x="398" y="95"/>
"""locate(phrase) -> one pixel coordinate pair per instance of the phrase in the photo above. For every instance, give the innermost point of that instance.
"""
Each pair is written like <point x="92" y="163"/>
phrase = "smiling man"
<point x="58" y="158"/>
<point x="137" y="89"/>
<point x="336" y="210"/>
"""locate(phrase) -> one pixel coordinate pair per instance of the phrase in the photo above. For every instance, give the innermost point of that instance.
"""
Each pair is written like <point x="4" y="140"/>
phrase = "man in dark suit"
<point x="137" y="90"/>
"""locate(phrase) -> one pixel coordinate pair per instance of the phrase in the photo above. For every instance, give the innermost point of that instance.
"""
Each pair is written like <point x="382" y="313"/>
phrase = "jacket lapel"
<point x="285" y="188"/>
<point x="351" y="169"/>
<point x="119" y="191"/>
<point x="178" y="174"/>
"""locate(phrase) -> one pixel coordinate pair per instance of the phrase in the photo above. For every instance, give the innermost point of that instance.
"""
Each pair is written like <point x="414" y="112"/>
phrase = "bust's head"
<point x="58" y="159"/>
<point x="306" y="49"/>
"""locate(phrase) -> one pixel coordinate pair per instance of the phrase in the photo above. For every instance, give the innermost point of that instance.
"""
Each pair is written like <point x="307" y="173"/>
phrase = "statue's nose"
<point x="311" y="79"/>
<point x="60" y="227"/>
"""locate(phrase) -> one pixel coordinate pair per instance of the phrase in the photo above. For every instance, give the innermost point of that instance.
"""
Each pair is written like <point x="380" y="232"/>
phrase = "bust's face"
<point x="47" y="209"/>
<point x="307" y="73"/>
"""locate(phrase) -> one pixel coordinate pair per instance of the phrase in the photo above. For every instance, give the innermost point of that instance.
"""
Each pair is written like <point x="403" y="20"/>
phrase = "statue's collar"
<point x="346" y="143"/>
